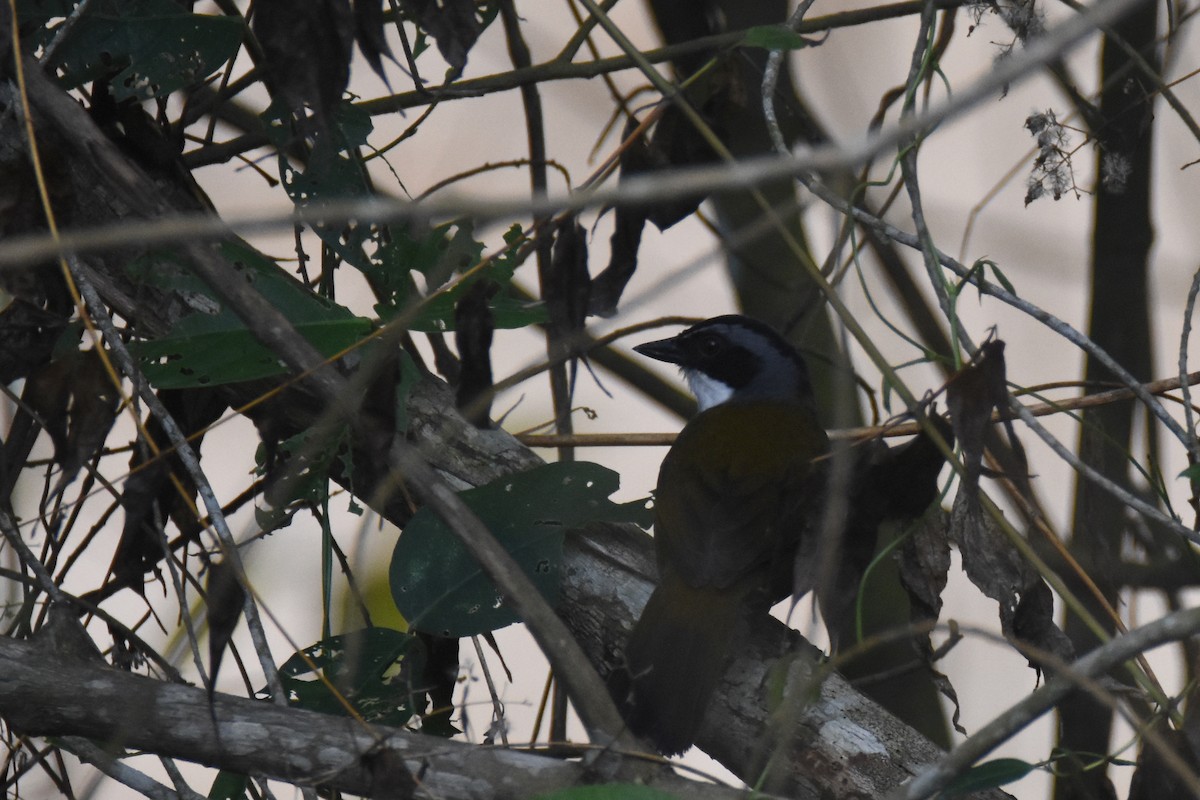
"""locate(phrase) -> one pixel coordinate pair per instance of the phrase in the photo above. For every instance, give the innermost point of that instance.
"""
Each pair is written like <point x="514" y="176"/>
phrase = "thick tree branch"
<point x="43" y="695"/>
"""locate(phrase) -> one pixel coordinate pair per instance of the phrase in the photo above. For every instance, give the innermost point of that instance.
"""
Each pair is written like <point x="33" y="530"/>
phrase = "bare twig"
<point x="1057" y="325"/>
<point x="87" y="751"/>
<point x="869" y="432"/>
<point x="918" y="71"/>
<point x="771" y="79"/>
<point x="750" y="172"/>
<point x="1189" y="422"/>
<point x="191" y="463"/>
<point x="1173" y="627"/>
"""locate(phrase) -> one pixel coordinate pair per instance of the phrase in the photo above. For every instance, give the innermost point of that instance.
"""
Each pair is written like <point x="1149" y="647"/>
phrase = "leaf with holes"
<point x="153" y="46"/>
<point x="438" y="254"/>
<point x="362" y="667"/>
<point x="439" y="587"/>
<point x="212" y="346"/>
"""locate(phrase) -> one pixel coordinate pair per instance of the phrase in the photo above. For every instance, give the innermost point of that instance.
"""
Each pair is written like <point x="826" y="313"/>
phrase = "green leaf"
<point x="989" y="775"/>
<point x="333" y="171"/>
<point x="306" y="477"/>
<point x="34" y="15"/>
<point x="438" y="586"/>
<point x="355" y="123"/>
<point x="611" y="791"/>
<point x="158" y="46"/>
<point x="361" y="666"/>
<point x="777" y="37"/>
<point x="228" y="786"/>
<point x="1192" y="473"/>
<point x="439" y="254"/>
<point x="1003" y="279"/>
<point x="212" y="346"/>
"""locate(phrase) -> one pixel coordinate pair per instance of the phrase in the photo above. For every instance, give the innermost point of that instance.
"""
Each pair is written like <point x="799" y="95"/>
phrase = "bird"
<point x="735" y="493"/>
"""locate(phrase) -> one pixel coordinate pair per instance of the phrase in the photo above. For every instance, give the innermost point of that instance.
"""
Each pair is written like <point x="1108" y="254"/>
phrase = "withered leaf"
<point x="452" y="24"/>
<point x="1033" y="623"/>
<point x="149" y="496"/>
<point x="896" y="484"/>
<point x="64" y="637"/>
<point x="473" y="328"/>
<point x="439" y="678"/>
<point x="224" y="598"/>
<point x="567" y="286"/>
<point x="27" y="337"/>
<point x="94" y="401"/>
<point x="946" y="689"/>
<point x="995" y="566"/>
<point x="307" y="48"/>
<point x="490" y="638"/>
<point x="972" y="394"/>
<point x="77" y="401"/>
<point x="141" y="544"/>
<point x="628" y="222"/>
<point x="924" y="560"/>
<point x="626" y="239"/>
<point x="47" y="394"/>
<point x="1154" y="779"/>
<point x="989" y="559"/>
<point x="369" y="32"/>
<point x="675" y="143"/>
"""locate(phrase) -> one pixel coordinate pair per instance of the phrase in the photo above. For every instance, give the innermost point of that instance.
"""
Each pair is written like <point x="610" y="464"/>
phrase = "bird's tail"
<point x="675" y="657"/>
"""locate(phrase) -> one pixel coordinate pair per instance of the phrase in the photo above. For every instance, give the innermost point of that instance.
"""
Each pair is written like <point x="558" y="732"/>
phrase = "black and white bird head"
<point x="734" y="358"/>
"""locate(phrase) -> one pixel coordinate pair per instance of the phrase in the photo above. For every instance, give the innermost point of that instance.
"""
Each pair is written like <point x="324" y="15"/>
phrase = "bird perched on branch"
<point x="735" y="494"/>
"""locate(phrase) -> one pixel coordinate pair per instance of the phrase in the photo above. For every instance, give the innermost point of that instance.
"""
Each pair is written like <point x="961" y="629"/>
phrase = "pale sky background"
<point x="1042" y="249"/>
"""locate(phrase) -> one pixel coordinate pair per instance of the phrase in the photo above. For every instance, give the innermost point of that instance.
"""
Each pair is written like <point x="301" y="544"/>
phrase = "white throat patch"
<point x="709" y="391"/>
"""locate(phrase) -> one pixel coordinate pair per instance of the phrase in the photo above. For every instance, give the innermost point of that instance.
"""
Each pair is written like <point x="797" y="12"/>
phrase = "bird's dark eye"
<point x="709" y="345"/>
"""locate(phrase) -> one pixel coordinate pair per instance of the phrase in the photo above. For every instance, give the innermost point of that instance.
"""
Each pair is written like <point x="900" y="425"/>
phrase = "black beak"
<point x="663" y="350"/>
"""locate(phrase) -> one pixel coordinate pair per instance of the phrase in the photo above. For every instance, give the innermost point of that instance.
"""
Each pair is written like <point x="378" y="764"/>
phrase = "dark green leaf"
<point x="334" y="171"/>
<point x="34" y="15"/>
<point x="989" y="775"/>
<point x="777" y="37"/>
<point x="228" y="786"/>
<point x="187" y="360"/>
<point x="353" y="121"/>
<point x="303" y="476"/>
<point x="438" y="586"/>
<point x="361" y="665"/>
<point x="224" y="598"/>
<point x="212" y="346"/>
<point x="156" y="46"/>
<point x="1192" y="473"/>
<point x="439" y="254"/>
